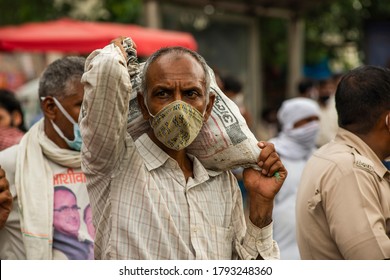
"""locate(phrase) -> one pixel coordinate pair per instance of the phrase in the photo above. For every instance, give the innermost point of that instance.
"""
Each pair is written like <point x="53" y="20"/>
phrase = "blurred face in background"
<point x="5" y="118"/>
<point x="8" y="119"/>
<point x="72" y="105"/>
<point x="325" y="90"/>
<point x="11" y="114"/>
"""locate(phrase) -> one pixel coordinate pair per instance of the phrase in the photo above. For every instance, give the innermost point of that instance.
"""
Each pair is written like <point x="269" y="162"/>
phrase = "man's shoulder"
<point x="331" y="161"/>
<point x="335" y="152"/>
<point x="363" y="163"/>
<point x="344" y="157"/>
<point x="8" y="158"/>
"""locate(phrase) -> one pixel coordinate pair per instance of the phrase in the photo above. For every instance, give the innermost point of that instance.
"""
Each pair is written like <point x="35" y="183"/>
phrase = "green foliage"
<point x="274" y="41"/>
<point x="21" y="11"/>
<point x="124" y="10"/>
<point x="329" y="27"/>
<point x="339" y="23"/>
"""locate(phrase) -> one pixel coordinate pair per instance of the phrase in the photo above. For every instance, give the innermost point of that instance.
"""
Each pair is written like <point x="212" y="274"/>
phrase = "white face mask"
<point x="305" y="135"/>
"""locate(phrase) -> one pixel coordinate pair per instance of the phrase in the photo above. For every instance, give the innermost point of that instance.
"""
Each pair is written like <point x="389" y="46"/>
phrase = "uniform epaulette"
<point x="363" y="162"/>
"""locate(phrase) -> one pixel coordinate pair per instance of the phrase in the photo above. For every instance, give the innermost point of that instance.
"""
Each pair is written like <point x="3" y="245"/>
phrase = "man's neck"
<point x="181" y="157"/>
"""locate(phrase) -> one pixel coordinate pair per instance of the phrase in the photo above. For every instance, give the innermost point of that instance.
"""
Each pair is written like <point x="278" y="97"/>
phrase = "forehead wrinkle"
<point x="170" y="83"/>
<point x="191" y="74"/>
<point x="190" y="64"/>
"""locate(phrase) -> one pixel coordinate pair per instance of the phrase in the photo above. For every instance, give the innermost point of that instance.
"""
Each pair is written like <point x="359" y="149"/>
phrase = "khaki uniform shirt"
<point x="343" y="203"/>
<point x="143" y="207"/>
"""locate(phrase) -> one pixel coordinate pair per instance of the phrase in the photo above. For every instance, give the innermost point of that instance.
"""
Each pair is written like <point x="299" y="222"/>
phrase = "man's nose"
<point x="177" y="95"/>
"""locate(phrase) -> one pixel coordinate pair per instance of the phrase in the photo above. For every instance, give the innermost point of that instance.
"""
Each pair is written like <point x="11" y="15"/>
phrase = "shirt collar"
<point x="346" y="137"/>
<point x="154" y="157"/>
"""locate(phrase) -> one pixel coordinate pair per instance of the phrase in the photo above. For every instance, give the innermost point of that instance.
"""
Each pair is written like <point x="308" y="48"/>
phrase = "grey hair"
<point x="59" y="77"/>
<point x="178" y="51"/>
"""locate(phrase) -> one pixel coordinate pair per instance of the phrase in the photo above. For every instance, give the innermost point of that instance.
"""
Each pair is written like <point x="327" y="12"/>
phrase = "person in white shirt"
<point x="47" y="156"/>
<point x="299" y="120"/>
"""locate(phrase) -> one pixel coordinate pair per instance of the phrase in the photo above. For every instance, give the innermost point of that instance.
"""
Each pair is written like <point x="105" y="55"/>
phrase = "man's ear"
<point x="49" y="107"/>
<point x="209" y="107"/>
<point x="141" y="104"/>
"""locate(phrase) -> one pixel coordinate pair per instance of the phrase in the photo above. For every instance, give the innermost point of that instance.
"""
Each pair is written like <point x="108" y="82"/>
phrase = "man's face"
<point x="66" y="213"/>
<point x="5" y="118"/>
<point x="305" y="121"/>
<point x="175" y="77"/>
<point x="72" y="105"/>
<point x="325" y="91"/>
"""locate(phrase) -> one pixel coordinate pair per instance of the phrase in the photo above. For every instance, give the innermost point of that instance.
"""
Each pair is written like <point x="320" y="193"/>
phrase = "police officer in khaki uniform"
<point x="343" y="201"/>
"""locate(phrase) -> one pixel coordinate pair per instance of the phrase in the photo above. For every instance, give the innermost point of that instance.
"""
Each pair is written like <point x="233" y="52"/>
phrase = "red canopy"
<point x="72" y="36"/>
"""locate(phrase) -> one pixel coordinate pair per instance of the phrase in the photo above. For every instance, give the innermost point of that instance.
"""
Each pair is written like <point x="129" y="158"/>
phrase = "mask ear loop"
<point x="147" y="108"/>
<point x="66" y="114"/>
<point x="56" y="128"/>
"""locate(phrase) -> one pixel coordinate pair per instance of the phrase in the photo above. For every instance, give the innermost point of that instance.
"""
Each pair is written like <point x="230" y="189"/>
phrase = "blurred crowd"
<point x="298" y="128"/>
<point x="19" y="110"/>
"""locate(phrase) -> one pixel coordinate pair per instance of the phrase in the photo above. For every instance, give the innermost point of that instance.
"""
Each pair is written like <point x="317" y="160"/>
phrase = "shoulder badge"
<point x="363" y="163"/>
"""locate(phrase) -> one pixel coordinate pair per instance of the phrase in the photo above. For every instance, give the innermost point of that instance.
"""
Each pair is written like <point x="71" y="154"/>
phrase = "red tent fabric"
<point x="73" y="36"/>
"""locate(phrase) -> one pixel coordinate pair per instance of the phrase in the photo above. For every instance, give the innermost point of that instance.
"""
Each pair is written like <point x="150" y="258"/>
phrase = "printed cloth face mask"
<point x="177" y="125"/>
<point x="74" y="144"/>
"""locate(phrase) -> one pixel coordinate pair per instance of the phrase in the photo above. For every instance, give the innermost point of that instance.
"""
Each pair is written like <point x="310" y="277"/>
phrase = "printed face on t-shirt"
<point x="88" y="221"/>
<point x="66" y="212"/>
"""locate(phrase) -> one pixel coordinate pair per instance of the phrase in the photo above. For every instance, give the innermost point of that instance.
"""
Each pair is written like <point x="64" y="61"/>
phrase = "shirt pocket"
<point x="217" y="242"/>
<point x="313" y="202"/>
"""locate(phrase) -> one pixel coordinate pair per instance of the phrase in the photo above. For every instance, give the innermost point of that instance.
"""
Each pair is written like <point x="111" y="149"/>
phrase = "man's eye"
<point x="191" y="93"/>
<point x="161" y="93"/>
